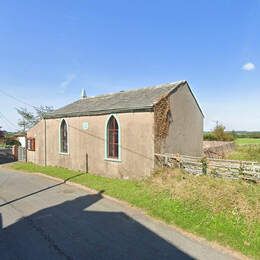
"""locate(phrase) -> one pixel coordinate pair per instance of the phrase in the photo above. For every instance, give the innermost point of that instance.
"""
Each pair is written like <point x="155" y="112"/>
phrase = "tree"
<point x="29" y="119"/>
<point x="219" y="132"/>
<point x="221" y="135"/>
<point x="42" y="111"/>
<point x="2" y="136"/>
<point x="2" y="132"/>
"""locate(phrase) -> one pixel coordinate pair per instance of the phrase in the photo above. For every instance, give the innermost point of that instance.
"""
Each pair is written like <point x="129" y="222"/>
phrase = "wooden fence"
<point x="216" y="167"/>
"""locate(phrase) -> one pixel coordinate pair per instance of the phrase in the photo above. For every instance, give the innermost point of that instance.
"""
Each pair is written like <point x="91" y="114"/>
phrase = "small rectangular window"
<point x="31" y="144"/>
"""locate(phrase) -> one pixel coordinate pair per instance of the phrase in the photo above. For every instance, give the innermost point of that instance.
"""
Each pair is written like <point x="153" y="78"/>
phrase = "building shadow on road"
<point x="72" y="230"/>
<point x="41" y="190"/>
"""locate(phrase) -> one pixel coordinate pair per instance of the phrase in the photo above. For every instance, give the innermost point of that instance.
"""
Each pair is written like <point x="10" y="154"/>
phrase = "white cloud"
<point x="248" y="66"/>
<point x="64" y="84"/>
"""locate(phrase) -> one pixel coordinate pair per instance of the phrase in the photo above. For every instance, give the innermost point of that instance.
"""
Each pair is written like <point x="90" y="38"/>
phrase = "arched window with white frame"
<point x="112" y="139"/>
<point x="63" y="137"/>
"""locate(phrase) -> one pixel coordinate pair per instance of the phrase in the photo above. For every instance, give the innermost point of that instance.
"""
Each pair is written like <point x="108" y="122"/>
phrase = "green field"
<point x="221" y="210"/>
<point x="247" y="149"/>
<point x="245" y="141"/>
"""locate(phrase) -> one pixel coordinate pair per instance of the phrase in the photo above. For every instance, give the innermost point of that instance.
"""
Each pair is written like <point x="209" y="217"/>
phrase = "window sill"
<point x="61" y="153"/>
<point x="113" y="160"/>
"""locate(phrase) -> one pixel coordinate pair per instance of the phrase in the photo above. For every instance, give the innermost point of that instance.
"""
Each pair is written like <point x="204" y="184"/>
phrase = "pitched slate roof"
<point x="125" y="101"/>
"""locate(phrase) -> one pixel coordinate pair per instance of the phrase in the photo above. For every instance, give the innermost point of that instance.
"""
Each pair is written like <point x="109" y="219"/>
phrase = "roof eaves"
<point x="99" y="112"/>
<point x="195" y="99"/>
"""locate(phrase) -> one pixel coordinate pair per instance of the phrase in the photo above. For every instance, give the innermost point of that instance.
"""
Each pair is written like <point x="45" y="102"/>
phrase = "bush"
<point x="219" y="134"/>
<point x="209" y="137"/>
<point x="11" y="142"/>
<point x="249" y="135"/>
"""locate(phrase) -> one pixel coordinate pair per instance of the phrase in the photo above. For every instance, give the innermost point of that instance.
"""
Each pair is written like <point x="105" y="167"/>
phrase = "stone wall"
<point x="6" y="155"/>
<point x="217" y="149"/>
<point x="215" y="167"/>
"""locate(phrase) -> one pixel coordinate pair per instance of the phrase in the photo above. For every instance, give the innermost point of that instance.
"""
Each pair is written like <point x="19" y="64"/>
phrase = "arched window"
<point x="112" y="138"/>
<point x="63" y="137"/>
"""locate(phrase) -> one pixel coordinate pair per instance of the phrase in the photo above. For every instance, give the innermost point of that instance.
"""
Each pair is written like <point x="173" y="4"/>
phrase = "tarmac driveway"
<point x="42" y="218"/>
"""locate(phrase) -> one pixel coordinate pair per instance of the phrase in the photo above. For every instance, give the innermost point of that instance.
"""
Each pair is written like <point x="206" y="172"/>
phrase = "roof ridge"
<point x="176" y="83"/>
<point x="130" y="100"/>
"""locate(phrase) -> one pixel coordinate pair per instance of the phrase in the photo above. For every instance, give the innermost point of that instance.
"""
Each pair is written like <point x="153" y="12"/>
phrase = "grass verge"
<point x="220" y="210"/>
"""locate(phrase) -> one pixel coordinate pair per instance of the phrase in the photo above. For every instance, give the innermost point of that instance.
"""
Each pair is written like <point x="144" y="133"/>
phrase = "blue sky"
<point x="50" y="50"/>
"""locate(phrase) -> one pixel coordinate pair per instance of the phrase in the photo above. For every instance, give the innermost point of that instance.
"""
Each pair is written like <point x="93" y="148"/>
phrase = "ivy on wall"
<point x="162" y="115"/>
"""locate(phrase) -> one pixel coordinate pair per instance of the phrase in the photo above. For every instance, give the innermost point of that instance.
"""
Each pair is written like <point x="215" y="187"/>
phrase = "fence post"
<point x="165" y="160"/>
<point x="86" y="162"/>
<point x="253" y="169"/>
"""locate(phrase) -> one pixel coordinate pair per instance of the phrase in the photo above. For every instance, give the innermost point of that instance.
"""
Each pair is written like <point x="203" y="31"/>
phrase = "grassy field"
<point x="247" y="149"/>
<point x="220" y="210"/>
<point x="247" y="141"/>
<point x="245" y="153"/>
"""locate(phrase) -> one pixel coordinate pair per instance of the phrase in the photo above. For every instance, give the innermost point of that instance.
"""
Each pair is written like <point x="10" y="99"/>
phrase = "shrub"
<point x="204" y="163"/>
<point x="11" y="142"/>
<point x="209" y="137"/>
<point x="219" y="134"/>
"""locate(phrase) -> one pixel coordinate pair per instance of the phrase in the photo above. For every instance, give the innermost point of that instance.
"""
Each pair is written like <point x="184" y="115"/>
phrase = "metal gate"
<point x="21" y="154"/>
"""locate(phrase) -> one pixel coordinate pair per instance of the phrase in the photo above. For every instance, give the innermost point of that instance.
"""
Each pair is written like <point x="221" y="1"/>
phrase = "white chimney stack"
<point x="83" y="94"/>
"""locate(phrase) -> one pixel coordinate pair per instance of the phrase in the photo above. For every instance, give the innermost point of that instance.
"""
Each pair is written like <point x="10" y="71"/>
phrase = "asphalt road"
<point x="42" y="218"/>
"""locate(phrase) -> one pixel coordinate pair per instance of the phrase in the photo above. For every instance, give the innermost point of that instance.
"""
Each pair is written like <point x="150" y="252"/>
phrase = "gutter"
<point x="100" y="112"/>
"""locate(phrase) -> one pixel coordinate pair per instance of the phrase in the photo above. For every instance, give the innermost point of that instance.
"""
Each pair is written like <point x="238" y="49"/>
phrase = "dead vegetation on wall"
<point x="162" y="115"/>
<point x="219" y="195"/>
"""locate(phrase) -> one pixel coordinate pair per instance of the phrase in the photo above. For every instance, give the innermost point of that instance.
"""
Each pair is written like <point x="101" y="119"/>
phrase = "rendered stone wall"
<point x="185" y="129"/>
<point x="87" y="146"/>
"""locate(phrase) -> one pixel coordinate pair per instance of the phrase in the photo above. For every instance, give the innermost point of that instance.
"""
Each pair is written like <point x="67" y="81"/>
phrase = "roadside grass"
<point x="222" y="210"/>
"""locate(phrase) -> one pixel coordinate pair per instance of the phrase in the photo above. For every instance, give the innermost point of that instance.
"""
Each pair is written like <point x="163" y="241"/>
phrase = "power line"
<point x="3" y="122"/>
<point x="8" y="121"/>
<point x="17" y="99"/>
<point x="7" y="125"/>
